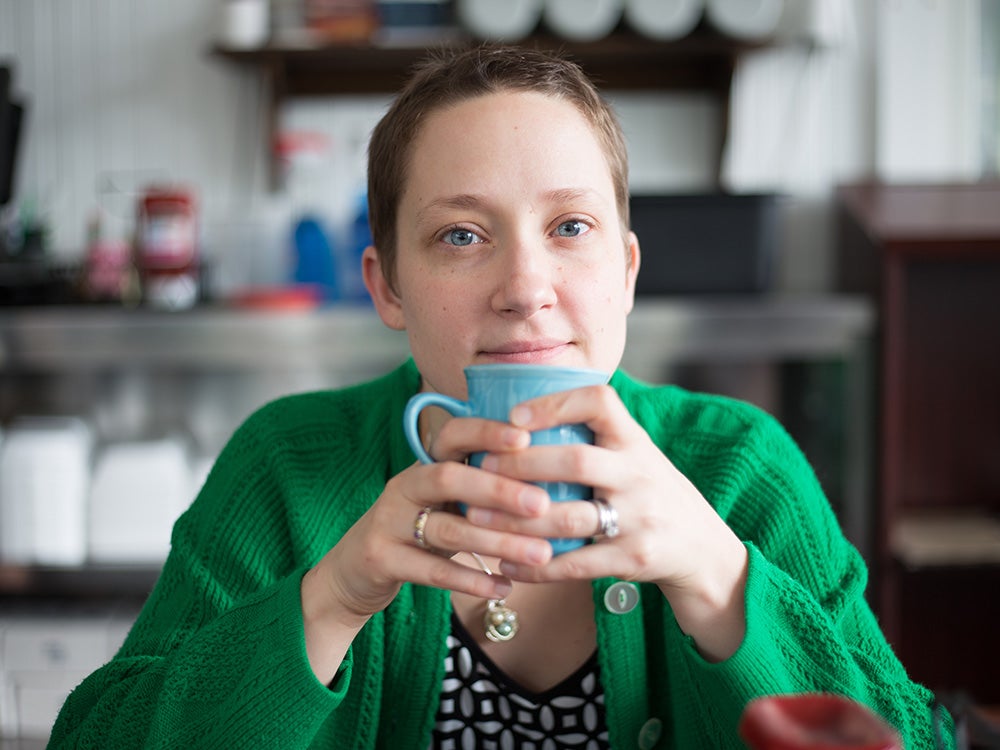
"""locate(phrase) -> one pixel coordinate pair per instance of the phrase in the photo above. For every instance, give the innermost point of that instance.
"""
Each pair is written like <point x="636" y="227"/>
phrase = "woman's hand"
<point x="363" y="572"/>
<point x="668" y="533"/>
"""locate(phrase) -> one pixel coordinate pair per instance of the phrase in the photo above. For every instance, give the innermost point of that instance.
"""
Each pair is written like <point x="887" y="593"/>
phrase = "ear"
<point x="634" y="259"/>
<point x="387" y="303"/>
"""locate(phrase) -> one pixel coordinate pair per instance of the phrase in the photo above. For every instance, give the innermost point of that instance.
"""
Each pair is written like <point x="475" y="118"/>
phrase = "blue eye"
<point x="572" y="228"/>
<point x="461" y="237"/>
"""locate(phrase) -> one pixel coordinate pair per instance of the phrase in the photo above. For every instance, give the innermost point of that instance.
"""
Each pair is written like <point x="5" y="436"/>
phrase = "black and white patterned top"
<point x="483" y="709"/>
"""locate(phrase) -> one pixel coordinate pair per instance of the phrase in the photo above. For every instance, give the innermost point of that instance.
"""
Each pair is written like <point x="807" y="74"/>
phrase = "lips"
<point x="536" y="351"/>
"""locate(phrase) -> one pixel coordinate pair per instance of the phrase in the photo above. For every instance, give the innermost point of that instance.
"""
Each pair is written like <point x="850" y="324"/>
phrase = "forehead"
<point x="507" y="136"/>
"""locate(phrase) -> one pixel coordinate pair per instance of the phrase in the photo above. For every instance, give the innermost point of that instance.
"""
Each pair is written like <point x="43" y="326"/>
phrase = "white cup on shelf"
<point x="582" y="20"/>
<point x="745" y="19"/>
<point x="664" y="20"/>
<point x="501" y="22"/>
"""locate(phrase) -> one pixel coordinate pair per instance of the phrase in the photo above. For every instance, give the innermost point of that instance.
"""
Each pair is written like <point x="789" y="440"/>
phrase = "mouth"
<point x="526" y="352"/>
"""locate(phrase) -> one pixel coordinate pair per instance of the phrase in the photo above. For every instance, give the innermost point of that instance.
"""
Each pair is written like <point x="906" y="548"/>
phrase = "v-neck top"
<point x="482" y="707"/>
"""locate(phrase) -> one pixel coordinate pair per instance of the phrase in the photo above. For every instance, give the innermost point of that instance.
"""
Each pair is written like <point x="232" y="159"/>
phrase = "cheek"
<point x="429" y="310"/>
<point x="439" y="317"/>
<point x="605" y="289"/>
<point x="603" y="302"/>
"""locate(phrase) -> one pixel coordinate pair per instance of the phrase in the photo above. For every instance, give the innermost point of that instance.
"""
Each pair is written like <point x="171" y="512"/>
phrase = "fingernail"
<point x="479" y="516"/>
<point x="502" y="589"/>
<point x="537" y="552"/>
<point x="513" y="437"/>
<point x="533" y="500"/>
<point x="508" y="569"/>
<point x="520" y="415"/>
<point x="490" y="462"/>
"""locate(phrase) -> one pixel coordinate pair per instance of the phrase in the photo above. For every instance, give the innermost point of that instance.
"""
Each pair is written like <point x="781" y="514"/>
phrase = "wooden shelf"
<point x="948" y="538"/>
<point x="944" y="222"/>
<point x="623" y="60"/>
<point x="702" y="61"/>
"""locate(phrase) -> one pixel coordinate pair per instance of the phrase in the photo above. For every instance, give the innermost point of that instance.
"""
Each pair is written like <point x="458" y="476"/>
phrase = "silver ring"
<point x="607" y="519"/>
<point x="418" y="527"/>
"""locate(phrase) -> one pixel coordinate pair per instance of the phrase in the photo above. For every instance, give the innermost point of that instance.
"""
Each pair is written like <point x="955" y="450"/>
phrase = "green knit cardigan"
<point x="217" y="658"/>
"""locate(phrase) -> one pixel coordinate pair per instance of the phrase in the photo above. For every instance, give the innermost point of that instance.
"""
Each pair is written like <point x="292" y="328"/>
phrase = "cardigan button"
<point x="650" y="733"/>
<point x="621" y="598"/>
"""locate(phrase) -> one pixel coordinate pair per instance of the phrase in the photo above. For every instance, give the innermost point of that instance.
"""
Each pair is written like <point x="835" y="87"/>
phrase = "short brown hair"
<point x="448" y="77"/>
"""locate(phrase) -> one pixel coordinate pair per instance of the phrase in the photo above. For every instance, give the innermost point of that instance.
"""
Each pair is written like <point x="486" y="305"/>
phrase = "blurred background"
<point x="182" y="209"/>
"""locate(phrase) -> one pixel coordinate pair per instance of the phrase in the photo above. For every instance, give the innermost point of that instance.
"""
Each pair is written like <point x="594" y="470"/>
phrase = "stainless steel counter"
<point x="665" y="332"/>
<point x="349" y="341"/>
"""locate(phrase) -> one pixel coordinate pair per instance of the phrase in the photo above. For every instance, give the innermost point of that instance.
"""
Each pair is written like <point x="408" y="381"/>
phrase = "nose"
<point x="526" y="281"/>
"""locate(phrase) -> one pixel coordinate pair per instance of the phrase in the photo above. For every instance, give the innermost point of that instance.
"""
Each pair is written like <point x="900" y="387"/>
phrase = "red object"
<point x="342" y="20"/>
<point x="814" y="721"/>
<point x="166" y="252"/>
<point x="107" y="269"/>
<point x="167" y="239"/>
<point x="299" y="297"/>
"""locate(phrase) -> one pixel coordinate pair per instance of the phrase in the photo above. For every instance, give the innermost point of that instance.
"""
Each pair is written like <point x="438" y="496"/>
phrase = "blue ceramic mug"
<point x="496" y="389"/>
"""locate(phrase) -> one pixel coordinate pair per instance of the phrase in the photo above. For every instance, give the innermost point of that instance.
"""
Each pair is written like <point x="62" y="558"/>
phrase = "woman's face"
<point x="510" y="247"/>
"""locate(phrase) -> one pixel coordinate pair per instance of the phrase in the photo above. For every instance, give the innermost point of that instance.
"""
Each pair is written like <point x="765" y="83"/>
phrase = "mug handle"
<point x="411" y="415"/>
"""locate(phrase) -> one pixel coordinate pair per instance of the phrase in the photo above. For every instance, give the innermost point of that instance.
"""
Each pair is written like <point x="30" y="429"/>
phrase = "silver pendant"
<point x="500" y="621"/>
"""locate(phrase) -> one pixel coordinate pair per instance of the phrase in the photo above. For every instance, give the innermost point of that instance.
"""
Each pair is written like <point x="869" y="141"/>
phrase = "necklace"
<point x="500" y="621"/>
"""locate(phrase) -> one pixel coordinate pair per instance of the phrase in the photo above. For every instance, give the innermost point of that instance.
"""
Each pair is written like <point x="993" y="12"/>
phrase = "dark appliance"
<point x="11" y="114"/>
<point x="705" y="243"/>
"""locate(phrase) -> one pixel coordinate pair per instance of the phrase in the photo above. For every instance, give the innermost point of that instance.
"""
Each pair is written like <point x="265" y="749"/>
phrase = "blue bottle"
<point x="314" y="259"/>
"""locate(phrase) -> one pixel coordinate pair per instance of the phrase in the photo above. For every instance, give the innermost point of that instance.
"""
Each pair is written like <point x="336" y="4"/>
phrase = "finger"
<point x="594" y="560"/>
<point x="581" y="463"/>
<point x="447" y="531"/>
<point x="598" y="406"/>
<point x="569" y="519"/>
<point x="449" y="481"/>
<point x="461" y="436"/>
<point x="417" y="566"/>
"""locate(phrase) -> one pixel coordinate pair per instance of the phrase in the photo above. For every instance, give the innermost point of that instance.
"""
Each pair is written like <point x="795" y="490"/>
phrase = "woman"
<point x="319" y="593"/>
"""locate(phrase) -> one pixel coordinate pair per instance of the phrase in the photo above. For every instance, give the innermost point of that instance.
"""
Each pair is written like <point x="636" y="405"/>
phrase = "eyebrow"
<point x="463" y="200"/>
<point x="571" y="195"/>
<point x="472" y="200"/>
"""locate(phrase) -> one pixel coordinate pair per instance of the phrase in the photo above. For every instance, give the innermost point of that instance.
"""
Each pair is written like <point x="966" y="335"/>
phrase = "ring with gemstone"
<point x="607" y="518"/>
<point x="418" y="527"/>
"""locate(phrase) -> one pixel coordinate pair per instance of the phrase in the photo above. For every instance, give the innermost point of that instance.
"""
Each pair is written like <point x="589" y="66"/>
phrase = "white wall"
<point x="123" y="92"/>
<point x="119" y="93"/>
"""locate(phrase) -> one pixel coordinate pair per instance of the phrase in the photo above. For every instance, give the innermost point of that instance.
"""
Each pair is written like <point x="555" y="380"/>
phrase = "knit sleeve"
<point x="241" y="681"/>
<point x="217" y="656"/>
<point x="809" y="627"/>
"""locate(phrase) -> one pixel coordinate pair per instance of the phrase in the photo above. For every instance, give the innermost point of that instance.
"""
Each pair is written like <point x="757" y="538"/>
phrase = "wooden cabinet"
<point x="930" y="256"/>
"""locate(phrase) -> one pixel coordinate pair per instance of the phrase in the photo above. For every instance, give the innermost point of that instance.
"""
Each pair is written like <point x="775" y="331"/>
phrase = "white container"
<point x="44" y="478"/>
<point x="499" y="21"/>
<point x="582" y="20"/>
<point x="745" y="19"/>
<point x="664" y="20"/>
<point x="139" y="491"/>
